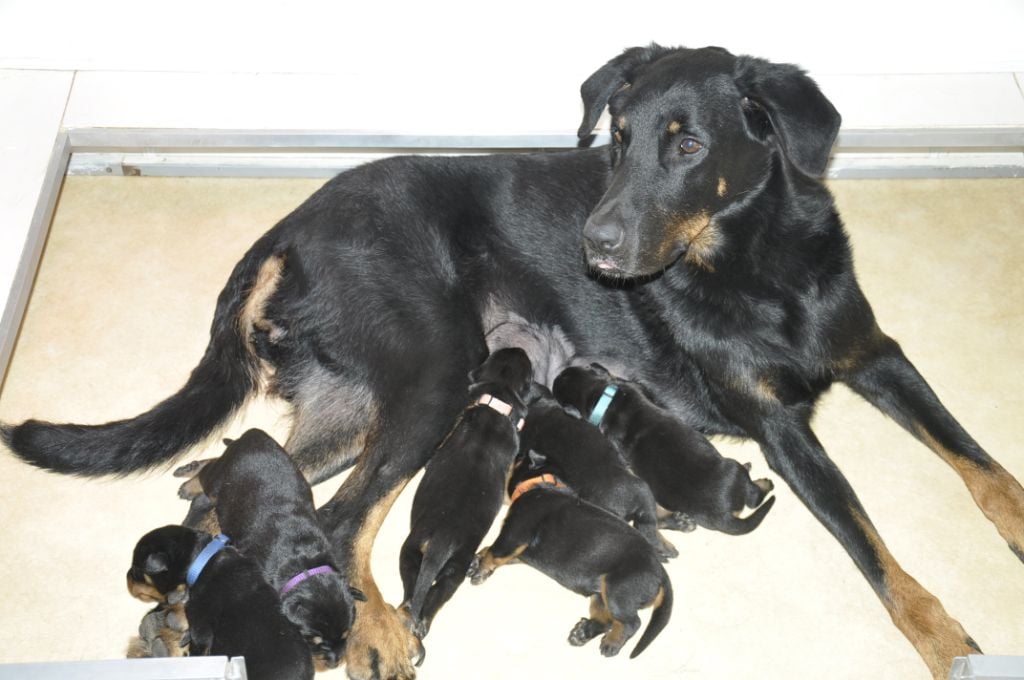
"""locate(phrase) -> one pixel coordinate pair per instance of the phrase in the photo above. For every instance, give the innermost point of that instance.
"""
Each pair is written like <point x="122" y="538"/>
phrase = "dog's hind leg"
<point x="793" y="451"/>
<point x="887" y="379"/>
<point x="426" y="396"/>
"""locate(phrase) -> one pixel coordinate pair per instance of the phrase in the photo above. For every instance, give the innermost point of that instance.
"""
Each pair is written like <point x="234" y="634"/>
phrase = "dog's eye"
<point x="689" y="145"/>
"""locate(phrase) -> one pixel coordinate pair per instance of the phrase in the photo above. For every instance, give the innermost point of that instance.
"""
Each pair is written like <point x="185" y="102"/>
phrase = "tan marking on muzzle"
<point x="995" y="490"/>
<point x="144" y="591"/>
<point x="918" y="614"/>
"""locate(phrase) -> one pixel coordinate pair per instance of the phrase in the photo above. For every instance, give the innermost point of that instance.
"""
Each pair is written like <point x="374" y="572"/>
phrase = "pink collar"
<point x="498" y="405"/>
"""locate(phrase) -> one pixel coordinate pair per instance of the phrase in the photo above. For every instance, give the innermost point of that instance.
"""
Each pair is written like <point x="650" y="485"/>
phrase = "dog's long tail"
<point x="660" y="614"/>
<point x="737" y="526"/>
<point x="434" y="560"/>
<point x="226" y="375"/>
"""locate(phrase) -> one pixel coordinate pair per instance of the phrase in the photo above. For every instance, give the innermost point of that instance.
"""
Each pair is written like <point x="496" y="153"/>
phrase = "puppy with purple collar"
<point x="231" y="609"/>
<point x="463" y="487"/>
<point x="265" y="504"/>
<point x="685" y="471"/>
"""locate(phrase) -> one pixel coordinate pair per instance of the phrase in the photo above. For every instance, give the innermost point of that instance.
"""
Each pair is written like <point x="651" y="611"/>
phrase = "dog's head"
<point x="695" y="133"/>
<point x="323" y="610"/>
<point x="580" y="386"/>
<point x="160" y="562"/>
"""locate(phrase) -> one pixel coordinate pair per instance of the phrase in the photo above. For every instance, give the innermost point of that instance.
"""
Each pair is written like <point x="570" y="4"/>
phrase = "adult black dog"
<point x="723" y="281"/>
<point x="264" y="504"/>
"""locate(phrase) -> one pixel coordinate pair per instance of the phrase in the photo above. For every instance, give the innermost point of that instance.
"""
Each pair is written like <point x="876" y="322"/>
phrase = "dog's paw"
<point x="584" y="631"/>
<point x="189" y="469"/>
<point x="677" y="521"/>
<point x="766" y="485"/>
<point x="380" y="645"/>
<point x="476" y="573"/>
<point x="665" y="549"/>
<point x="611" y="646"/>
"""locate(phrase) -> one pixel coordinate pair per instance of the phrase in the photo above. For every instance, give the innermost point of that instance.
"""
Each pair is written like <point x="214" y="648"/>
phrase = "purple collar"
<point x="303" y="575"/>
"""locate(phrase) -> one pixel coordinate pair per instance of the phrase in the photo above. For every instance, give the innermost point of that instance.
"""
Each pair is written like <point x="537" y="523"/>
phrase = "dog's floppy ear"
<point x="783" y="99"/>
<point x="610" y="78"/>
<point x="156" y="563"/>
<point x="535" y="459"/>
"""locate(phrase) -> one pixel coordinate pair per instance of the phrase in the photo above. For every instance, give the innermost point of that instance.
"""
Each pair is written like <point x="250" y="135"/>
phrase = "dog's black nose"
<point x="603" y="237"/>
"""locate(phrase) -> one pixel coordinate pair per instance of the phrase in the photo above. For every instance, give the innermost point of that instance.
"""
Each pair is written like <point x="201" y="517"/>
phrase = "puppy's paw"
<point x="677" y="521"/>
<point x="765" y="485"/>
<point x="610" y="647"/>
<point x="380" y="646"/>
<point x="666" y="550"/>
<point x="476" y="573"/>
<point x="584" y="631"/>
<point x="189" y="469"/>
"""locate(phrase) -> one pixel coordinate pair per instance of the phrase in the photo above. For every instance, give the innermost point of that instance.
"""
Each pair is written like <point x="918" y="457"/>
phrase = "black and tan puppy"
<point x="265" y="505"/>
<point x="463" y="487"/>
<point x="684" y="470"/>
<point x="590" y="465"/>
<point x="231" y="609"/>
<point x="587" y="550"/>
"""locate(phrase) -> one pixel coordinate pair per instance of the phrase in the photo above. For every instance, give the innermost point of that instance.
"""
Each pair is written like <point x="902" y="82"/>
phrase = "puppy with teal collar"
<point x="231" y="609"/>
<point x="684" y="470"/>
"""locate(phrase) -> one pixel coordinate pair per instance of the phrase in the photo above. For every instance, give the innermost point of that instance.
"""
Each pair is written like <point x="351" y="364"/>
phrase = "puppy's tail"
<point x="434" y="560"/>
<point x="736" y="526"/>
<point x="660" y="614"/>
<point x="226" y="375"/>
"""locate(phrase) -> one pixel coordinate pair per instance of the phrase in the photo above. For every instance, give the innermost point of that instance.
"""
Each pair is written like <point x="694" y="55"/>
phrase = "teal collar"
<point x="207" y="553"/>
<point x="597" y="415"/>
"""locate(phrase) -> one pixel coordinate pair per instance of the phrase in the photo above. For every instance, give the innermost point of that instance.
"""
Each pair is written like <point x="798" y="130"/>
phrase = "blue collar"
<point x="197" y="566"/>
<point x="597" y="415"/>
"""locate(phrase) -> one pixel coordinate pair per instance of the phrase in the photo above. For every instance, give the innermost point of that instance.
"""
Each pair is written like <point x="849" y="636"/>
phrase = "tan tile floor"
<point x="120" y="314"/>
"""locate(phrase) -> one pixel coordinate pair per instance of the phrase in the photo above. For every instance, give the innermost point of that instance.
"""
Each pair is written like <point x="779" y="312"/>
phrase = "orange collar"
<point x="526" y="485"/>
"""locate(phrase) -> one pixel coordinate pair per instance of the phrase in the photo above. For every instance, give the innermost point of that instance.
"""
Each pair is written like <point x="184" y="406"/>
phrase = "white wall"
<point x="446" y="40"/>
<point x="450" y="66"/>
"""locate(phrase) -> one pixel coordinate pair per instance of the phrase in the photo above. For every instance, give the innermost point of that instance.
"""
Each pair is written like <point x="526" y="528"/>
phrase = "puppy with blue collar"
<point x="231" y="609"/>
<point x="265" y="504"/>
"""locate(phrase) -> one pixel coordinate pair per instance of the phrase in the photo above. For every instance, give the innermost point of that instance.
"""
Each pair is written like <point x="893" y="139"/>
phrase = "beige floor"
<point x="120" y="315"/>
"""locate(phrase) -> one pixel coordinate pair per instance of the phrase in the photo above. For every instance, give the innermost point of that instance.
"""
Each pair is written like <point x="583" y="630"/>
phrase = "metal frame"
<point x="140" y="140"/>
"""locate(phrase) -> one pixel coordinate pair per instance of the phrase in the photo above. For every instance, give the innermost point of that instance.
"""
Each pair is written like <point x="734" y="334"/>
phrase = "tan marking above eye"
<point x="675" y="126"/>
<point x="723" y="186"/>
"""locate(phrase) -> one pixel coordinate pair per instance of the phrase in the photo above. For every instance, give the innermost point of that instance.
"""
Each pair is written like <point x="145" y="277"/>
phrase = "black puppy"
<point x="586" y="549"/>
<point x="265" y="505"/>
<point x="590" y="465"/>
<point x="685" y="472"/>
<point x="231" y="609"/>
<point x="463" y="487"/>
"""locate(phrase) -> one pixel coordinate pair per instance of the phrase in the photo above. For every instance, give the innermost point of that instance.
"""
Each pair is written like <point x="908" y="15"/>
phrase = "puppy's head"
<point x="510" y="366"/>
<point x="323" y="609"/>
<point x="580" y="386"/>
<point x="160" y="562"/>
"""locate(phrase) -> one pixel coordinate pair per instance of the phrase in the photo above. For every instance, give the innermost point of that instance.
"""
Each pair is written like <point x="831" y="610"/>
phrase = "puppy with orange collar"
<point x="585" y="549"/>
<point x="463" y="487"/>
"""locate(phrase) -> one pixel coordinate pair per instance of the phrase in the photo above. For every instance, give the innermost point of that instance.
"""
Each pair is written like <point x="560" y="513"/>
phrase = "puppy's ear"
<point x="609" y="79"/>
<point x="535" y="459"/>
<point x="534" y="392"/>
<point x="357" y="594"/>
<point x="601" y="370"/>
<point x="156" y="563"/>
<point x="781" y="100"/>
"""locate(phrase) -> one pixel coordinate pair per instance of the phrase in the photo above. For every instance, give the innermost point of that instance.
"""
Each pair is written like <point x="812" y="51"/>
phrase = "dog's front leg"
<point x="793" y="452"/>
<point x="887" y="379"/>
